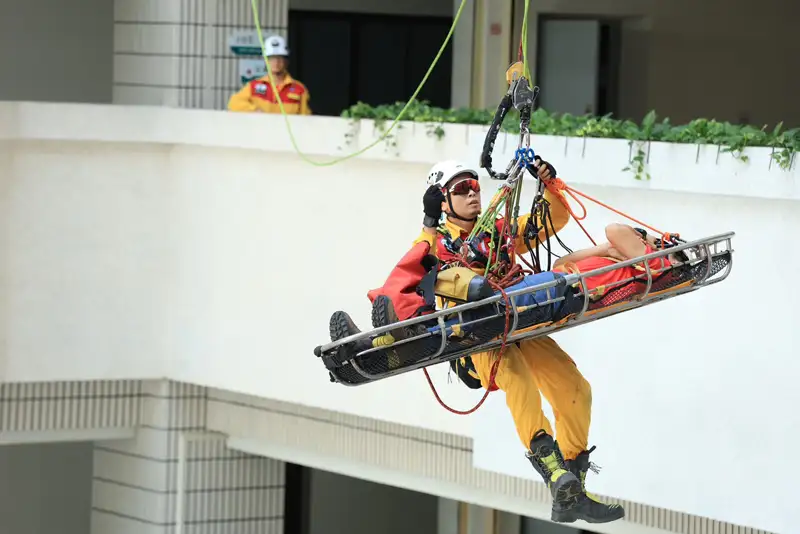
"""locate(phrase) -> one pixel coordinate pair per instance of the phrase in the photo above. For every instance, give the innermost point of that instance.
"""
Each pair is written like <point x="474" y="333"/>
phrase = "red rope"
<point x="492" y="373"/>
<point x="574" y="192"/>
<point x="557" y="185"/>
<point x="514" y="275"/>
<point x="585" y="231"/>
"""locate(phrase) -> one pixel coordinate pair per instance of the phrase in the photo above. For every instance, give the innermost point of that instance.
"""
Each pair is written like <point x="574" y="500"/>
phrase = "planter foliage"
<point x="732" y="138"/>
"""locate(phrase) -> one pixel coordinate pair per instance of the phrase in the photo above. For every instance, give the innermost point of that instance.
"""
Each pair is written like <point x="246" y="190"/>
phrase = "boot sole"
<point x="339" y="326"/>
<point x="568" y="494"/>
<point x="380" y="313"/>
<point x="570" y="516"/>
<point x="573" y="513"/>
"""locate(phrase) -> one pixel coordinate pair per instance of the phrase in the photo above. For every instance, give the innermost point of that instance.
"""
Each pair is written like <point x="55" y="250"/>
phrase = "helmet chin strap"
<point x="453" y="213"/>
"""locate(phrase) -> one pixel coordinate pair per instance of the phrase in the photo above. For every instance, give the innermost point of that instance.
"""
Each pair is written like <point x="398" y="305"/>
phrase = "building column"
<point x="463" y="48"/>
<point x="456" y="517"/>
<point x="447" y="516"/>
<point x="492" y="51"/>
<point x="176" y="478"/>
<point x="176" y="53"/>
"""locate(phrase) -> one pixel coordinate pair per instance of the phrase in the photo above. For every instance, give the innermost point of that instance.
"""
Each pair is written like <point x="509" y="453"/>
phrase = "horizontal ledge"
<point x="60" y="435"/>
<point x="674" y="167"/>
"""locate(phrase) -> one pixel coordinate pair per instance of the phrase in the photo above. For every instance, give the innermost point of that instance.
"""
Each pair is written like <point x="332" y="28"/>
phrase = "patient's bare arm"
<point x="625" y="241"/>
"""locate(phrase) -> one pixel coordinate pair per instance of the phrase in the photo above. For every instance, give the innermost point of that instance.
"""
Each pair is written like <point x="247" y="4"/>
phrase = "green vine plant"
<point x="729" y="138"/>
<point x="784" y="145"/>
<point x="390" y="139"/>
<point x="638" y="137"/>
<point x="351" y="133"/>
<point x="636" y="164"/>
<point x="435" y="130"/>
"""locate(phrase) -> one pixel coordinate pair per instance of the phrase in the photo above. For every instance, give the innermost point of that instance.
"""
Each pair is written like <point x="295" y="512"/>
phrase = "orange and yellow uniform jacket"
<point x="257" y="95"/>
<point x="535" y="367"/>
<point x="558" y="212"/>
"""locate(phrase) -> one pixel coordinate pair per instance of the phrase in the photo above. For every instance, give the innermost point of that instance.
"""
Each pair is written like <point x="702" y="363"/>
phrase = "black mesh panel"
<point x="392" y="360"/>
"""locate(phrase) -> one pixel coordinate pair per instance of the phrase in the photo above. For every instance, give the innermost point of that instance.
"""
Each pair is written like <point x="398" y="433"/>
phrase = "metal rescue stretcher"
<point x="559" y="304"/>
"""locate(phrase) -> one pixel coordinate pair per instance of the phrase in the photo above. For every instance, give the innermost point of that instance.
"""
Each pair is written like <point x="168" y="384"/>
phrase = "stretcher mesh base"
<point x="343" y="362"/>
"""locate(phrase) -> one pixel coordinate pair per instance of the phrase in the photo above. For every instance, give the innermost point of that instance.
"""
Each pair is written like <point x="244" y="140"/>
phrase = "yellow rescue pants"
<point x="539" y="365"/>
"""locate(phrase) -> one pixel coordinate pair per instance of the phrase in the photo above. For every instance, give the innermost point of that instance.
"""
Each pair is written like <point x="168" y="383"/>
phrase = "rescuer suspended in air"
<point x="461" y="295"/>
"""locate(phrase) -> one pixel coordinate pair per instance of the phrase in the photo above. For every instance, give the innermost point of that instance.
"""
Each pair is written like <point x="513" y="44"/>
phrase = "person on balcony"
<point x="258" y="95"/>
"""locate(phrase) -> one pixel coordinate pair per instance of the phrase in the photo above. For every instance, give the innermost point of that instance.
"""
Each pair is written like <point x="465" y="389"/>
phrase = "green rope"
<point x="254" y="8"/>
<point x="525" y="66"/>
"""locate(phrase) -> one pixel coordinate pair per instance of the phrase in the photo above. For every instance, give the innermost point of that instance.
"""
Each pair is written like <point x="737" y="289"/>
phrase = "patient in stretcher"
<point x="624" y="243"/>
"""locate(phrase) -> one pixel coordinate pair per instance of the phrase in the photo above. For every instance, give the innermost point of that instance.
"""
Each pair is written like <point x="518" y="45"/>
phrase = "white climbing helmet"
<point x="444" y="171"/>
<point x="275" y="46"/>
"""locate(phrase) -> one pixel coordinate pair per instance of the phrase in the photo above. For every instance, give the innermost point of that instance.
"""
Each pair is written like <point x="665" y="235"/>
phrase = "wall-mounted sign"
<point x="244" y="43"/>
<point x="250" y="69"/>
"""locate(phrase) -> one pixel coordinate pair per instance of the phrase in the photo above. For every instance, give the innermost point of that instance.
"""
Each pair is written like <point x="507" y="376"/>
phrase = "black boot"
<point x="383" y="314"/>
<point x="590" y="508"/>
<point x="565" y="487"/>
<point x="341" y="326"/>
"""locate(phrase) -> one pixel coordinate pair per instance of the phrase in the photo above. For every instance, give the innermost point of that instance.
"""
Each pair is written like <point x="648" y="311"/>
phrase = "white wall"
<point x="46" y="488"/>
<point x="56" y="50"/>
<point x="686" y="378"/>
<point x="147" y="242"/>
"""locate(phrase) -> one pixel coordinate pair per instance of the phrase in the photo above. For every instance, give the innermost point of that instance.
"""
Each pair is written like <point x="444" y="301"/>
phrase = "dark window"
<point x="344" y="58"/>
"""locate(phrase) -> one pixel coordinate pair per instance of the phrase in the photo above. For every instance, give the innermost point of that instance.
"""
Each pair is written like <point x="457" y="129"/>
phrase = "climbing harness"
<point x="499" y="270"/>
<point x="555" y="302"/>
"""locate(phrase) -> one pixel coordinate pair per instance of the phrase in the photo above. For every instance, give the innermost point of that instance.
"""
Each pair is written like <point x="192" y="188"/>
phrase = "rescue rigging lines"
<point x="565" y="309"/>
<point x="500" y="270"/>
<point x="472" y="327"/>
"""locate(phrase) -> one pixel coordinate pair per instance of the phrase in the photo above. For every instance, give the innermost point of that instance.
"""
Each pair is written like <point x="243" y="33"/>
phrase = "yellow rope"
<point x="394" y="123"/>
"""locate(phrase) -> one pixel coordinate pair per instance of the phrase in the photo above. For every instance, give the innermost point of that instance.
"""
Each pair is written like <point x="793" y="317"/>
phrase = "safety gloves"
<point x="432" y="206"/>
<point x="544" y="169"/>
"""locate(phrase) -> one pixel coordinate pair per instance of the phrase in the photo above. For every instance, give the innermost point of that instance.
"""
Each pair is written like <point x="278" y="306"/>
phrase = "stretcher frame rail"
<point x="705" y="250"/>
